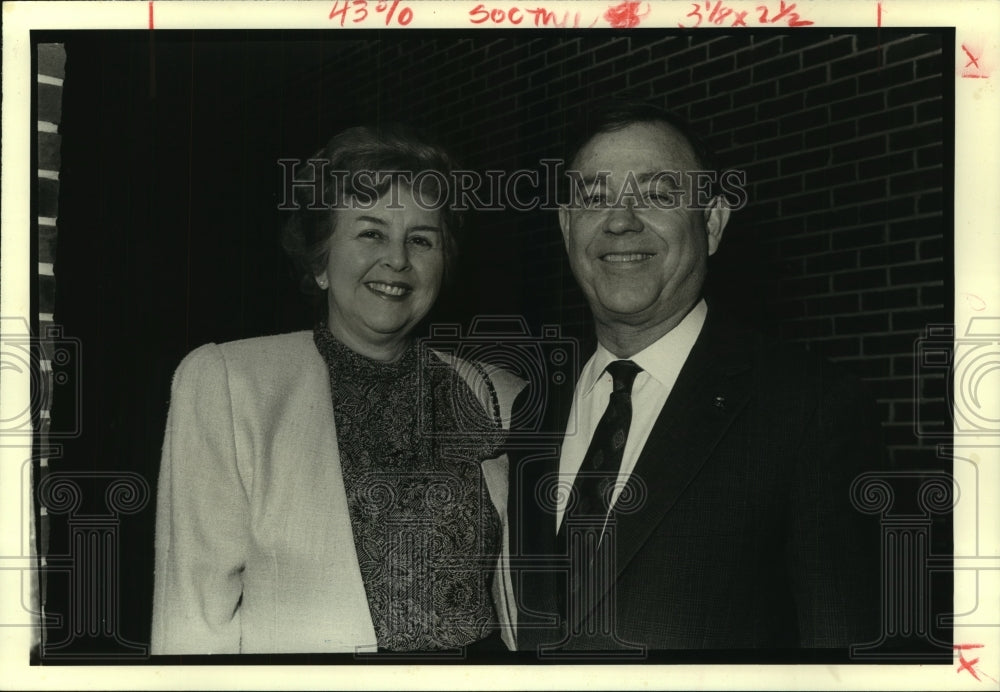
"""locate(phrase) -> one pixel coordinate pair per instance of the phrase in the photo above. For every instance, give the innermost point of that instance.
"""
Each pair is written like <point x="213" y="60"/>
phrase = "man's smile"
<point x="626" y="257"/>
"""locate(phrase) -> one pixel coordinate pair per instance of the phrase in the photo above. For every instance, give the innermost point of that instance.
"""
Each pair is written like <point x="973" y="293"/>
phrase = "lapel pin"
<point x="720" y="402"/>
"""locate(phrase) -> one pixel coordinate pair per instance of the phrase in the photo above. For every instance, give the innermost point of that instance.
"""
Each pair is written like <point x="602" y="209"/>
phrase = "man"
<point x="701" y="495"/>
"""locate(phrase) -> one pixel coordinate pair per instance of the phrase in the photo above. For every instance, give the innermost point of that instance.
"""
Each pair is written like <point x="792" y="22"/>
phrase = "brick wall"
<point x="844" y="245"/>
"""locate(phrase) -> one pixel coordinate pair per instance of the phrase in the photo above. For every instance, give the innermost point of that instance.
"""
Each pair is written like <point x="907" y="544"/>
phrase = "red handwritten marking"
<point x="359" y="12"/>
<point x="967" y="665"/>
<point x="336" y="11"/>
<point x="540" y="16"/>
<point x="626" y="15"/>
<point x="878" y="23"/>
<point x="793" y="17"/>
<point x="496" y="15"/>
<point x="973" y="60"/>
<point x="974" y="69"/>
<point x="717" y="13"/>
<point x="405" y="15"/>
<point x="975" y="302"/>
<point x="150" y="14"/>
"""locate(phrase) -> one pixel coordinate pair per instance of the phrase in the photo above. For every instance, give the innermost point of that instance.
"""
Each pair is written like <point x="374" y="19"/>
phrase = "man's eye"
<point x="594" y="199"/>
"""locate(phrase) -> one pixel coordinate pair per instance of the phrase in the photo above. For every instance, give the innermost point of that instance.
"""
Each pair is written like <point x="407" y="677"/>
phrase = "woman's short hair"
<point x="363" y="162"/>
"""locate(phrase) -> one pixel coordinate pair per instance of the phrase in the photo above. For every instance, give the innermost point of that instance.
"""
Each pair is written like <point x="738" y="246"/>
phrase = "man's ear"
<point x="564" y="224"/>
<point x="716" y="218"/>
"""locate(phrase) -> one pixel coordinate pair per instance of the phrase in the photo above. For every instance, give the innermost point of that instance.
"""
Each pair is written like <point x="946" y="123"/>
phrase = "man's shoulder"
<point x="775" y="363"/>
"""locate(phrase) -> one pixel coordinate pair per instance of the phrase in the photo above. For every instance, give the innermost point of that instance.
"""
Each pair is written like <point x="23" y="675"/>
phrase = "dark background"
<point x="168" y="222"/>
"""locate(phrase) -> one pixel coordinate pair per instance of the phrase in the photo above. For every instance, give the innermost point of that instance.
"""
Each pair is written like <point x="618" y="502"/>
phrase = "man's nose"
<point x="623" y="219"/>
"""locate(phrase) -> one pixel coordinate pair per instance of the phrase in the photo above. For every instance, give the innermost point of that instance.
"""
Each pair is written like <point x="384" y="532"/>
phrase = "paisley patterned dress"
<point x="412" y="438"/>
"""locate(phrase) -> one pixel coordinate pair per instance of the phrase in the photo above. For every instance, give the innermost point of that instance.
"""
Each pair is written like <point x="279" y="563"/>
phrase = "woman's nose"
<point x="397" y="256"/>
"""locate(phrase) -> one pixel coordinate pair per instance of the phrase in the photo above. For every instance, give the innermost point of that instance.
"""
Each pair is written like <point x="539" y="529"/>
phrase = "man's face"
<point x="639" y="265"/>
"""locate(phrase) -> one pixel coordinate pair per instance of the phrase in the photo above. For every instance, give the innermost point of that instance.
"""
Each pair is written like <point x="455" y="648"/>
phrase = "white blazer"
<point x="254" y="549"/>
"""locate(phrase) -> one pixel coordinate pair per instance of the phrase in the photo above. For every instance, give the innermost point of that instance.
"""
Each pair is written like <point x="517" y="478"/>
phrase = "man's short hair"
<point x="617" y="114"/>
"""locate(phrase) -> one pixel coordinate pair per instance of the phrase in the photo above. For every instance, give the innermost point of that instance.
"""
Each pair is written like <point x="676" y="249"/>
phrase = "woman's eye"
<point x="370" y="233"/>
<point x="421" y="241"/>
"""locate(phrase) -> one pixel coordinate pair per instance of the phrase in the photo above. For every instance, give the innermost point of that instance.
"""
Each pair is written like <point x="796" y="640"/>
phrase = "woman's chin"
<point x="390" y="329"/>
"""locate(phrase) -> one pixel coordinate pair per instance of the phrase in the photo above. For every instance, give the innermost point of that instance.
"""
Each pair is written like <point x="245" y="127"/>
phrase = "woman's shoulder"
<point x="290" y="346"/>
<point x="270" y="355"/>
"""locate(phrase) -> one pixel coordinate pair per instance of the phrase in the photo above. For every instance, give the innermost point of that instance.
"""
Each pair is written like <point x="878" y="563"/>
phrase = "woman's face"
<point x="383" y="272"/>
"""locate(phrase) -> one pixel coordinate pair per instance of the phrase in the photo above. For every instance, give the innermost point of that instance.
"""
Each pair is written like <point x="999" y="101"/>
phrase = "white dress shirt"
<point x="661" y="363"/>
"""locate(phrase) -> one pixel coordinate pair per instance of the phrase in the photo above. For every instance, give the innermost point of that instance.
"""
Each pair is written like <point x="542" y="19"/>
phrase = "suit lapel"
<point x="532" y="459"/>
<point x="689" y="426"/>
<point x="534" y="466"/>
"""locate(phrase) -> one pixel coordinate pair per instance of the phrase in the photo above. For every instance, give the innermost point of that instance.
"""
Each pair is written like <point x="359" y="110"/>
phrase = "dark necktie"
<point x="595" y="481"/>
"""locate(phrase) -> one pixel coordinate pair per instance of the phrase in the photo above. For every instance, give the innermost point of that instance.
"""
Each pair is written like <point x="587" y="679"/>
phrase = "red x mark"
<point x="973" y="60"/>
<point x="962" y="663"/>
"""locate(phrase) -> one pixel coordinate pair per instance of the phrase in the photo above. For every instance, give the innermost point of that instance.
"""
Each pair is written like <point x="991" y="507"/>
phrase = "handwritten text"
<point x="534" y="16"/>
<point x="719" y="14"/>
<point x="360" y="11"/>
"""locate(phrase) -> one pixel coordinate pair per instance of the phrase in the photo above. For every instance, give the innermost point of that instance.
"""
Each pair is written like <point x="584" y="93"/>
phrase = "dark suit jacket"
<point x="739" y="531"/>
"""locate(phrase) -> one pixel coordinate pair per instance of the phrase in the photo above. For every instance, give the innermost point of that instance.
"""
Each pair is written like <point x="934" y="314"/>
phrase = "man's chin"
<point x="640" y="312"/>
<point x="623" y="306"/>
<point x="622" y="314"/>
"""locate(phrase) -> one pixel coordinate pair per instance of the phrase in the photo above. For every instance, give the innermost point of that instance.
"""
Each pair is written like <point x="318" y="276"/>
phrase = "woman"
<point x="340" y="490"/>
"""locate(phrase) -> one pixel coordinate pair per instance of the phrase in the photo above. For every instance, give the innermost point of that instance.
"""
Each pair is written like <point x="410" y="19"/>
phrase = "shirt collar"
<point x="662" y="359"/>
